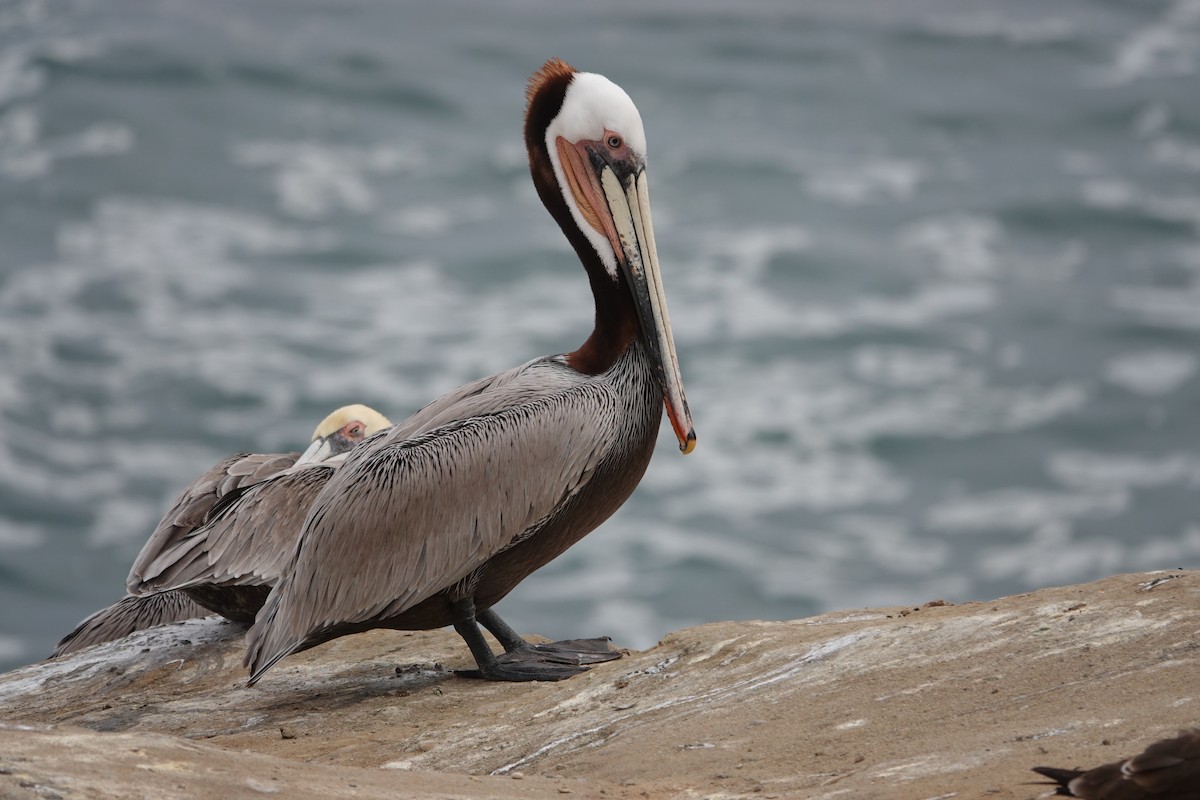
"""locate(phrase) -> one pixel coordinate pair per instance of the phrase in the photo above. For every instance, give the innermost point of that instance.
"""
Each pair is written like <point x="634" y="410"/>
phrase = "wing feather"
<point x="128" y="615"/>
<point x="170" y="540"/>
<point x="251" y="541"/>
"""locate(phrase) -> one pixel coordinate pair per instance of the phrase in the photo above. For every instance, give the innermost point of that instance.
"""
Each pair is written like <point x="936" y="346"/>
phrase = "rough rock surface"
<point x="930" y="701"/>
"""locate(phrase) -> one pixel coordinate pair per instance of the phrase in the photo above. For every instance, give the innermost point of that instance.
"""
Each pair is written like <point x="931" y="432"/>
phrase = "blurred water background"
<point x="934" y="272"/>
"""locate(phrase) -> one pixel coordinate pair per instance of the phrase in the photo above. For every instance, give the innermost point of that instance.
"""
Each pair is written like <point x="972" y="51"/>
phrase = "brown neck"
<point x="617" y="324"/>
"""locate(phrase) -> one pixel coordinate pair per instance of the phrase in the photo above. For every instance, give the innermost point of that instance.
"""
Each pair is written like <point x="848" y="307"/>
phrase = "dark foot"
<point x="568" y="651"/>
<point x="522" y="661"/>
<point x="522" y="670"/>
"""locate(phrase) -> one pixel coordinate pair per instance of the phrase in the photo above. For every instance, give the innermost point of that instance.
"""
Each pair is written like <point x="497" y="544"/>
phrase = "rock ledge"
<point x="922" y="702"/>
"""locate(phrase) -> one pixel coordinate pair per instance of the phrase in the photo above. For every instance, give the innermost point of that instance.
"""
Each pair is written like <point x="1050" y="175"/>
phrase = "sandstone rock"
<point x="919" y="702"/>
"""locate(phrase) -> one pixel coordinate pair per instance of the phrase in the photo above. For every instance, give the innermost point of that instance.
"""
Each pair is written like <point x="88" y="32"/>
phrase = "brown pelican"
<point x="232" y="530"/>
<point x="227" y="536"/>
<point x="436" y="520"/>
<point x="1166" y="770"/>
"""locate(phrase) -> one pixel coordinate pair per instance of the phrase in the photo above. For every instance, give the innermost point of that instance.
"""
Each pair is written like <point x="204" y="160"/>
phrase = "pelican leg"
<point x="568" y="651"/>
<point x="492" y="668"/>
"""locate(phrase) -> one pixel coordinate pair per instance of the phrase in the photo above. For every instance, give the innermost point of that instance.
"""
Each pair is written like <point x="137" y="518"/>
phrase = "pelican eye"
<point x="614" y="142"/>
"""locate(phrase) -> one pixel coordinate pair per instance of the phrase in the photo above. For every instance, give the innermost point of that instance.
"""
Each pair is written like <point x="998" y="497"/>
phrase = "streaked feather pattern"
<point x="418" y="510"/>
<point x="128" y="615"/>
<point x="171" y="540"/>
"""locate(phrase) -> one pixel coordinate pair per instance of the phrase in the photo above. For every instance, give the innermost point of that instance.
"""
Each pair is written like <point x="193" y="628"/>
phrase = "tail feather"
<point x="266" y="641"/>
<point x="1062" y="777"/>
<point x="257" y="669"/>
<point x="129" y="615"/>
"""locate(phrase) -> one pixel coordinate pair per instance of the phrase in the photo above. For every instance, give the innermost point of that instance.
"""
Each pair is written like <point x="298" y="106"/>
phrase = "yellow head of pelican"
<point x="340" y="431"/>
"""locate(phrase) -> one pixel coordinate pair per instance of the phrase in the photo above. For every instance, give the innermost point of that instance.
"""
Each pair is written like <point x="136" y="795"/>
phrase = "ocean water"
<point x="933" y="266"/>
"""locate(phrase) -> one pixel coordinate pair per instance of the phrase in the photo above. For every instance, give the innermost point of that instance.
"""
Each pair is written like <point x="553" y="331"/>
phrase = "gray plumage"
<point x="175" y="546"/>
<point x="196" y="547"/>
<point x="227" y="536"/>
<point x="231" y="532"/>
<point x="437" y="508"/>
<point x="229" y="563"/>
<point x="129" y="615"/>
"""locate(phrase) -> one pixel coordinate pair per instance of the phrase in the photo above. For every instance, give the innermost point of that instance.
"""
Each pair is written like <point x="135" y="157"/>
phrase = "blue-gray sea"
<point x="933" y="266"/>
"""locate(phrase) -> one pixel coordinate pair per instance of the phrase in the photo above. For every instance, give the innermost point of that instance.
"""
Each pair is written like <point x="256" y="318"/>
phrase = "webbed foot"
<point x="522" y="670"/>
<point x="568" y="651"/>
<point x="521" y="660"/>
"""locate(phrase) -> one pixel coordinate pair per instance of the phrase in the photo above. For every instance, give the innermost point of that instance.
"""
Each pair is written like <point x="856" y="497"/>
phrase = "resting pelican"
<point x="227" y="536"/>
<point x="436" y="520"/>
<point x="231" y="532"/>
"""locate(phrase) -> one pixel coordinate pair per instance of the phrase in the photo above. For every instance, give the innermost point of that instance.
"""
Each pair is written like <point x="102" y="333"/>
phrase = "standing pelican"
<point x="218" y="548"/>
<point x="436" y="520"/>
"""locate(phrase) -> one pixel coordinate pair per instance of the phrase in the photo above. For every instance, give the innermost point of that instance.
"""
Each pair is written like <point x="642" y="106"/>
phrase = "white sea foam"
<point x="164" y="256"/>
<point x="891" y="541"/>
<point x="905" y="367"/>
<point x="1103" y="472"/>
<point x="1174" y="308"/>
<point x="866" y="181"/>
<point x="1167" y="47"/>
<point x="1176" y="152"/>
<point x="48" y="481"/>
<point x="313" y="180"/>
<point x="1118" y="195"/>
<point x="778" y="481"/>
<point x="26" y="154"/>
<point x="1022" y="509"/>
<point x="632" y="623"/>
<point x="752" y="249"/>
<point x="956" y="409"/>
<point x="1053" y="556"/>
<point x="1152" y="373"/>
<point x="962" y="246"/>
<point x="73" y="419"/>
<point x="1018" y="32"/>
<point x="1159" y="551"/>
<point x="423" y="220"/>
<point x="19" y="78"/>
<point x="119" y="519"/>
<point x="1152" y="120"/>
<point x="752" y="312"/>
<point x="17" y="536"/>
<point x="163" y="236"/>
